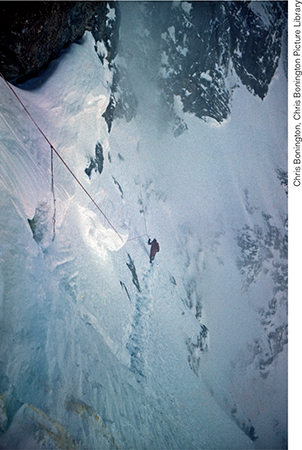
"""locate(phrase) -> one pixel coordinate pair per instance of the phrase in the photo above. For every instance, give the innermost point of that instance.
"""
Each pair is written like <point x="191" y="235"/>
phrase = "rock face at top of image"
<point x="33" y="33"/>
<point x="198" y="51"/>
<point x="206" y="46"/>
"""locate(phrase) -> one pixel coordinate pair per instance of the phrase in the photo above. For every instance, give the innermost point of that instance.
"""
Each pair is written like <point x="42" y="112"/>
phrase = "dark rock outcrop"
<point x="204" y="48"/>
<point x="33" y="33"/>
<point x="123" y="102"/>
<point x="96" y="163"/>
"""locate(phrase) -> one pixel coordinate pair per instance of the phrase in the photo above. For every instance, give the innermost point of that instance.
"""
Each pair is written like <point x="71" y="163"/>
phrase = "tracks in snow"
<point x="140" y="333"/>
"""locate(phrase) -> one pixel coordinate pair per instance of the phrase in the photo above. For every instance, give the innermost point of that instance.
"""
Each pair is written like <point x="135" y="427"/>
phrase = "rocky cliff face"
<point x="200" y="50"/>
<point x="33" y="33"/>
<point x="195" y="50"/>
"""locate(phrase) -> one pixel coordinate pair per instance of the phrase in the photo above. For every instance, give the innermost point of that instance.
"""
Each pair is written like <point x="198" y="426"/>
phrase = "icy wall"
<point x="99" y="348"/>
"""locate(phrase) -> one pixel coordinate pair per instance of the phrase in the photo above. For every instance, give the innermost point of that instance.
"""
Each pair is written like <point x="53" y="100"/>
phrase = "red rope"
<point x="60" y="157"/>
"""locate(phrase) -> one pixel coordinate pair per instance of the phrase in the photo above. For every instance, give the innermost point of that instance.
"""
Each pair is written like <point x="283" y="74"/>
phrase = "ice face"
<point x="101" y="349"/>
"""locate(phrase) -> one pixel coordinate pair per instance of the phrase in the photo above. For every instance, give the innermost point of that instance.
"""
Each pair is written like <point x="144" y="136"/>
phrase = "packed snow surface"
<point x="98" y="346"/>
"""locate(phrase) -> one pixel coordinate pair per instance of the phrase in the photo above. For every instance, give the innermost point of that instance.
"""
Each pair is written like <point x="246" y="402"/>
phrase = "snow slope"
<point x="99" y="348"/>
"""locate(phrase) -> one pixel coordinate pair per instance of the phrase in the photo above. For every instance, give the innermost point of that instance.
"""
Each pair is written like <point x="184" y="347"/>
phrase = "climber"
<point x="154" y="248"/>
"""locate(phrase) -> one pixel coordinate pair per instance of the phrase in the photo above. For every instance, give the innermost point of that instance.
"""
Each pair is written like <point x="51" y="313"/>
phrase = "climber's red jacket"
<point x="154" y="248"/>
